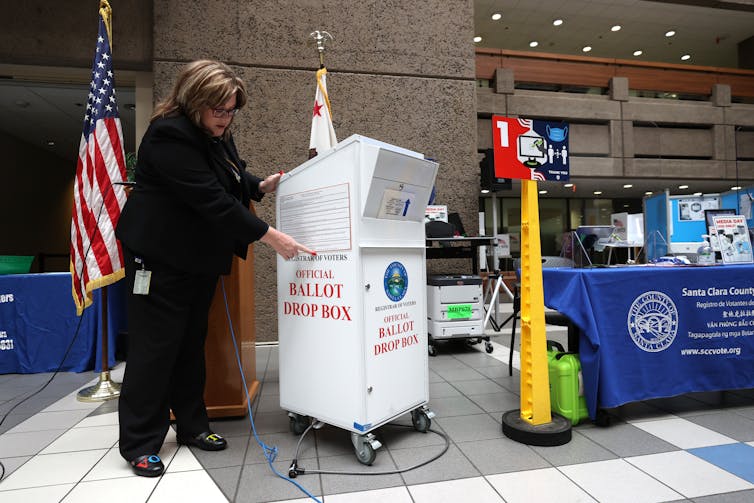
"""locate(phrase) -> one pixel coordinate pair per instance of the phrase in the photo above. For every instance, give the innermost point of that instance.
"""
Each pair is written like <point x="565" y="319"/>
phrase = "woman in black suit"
<point x="183" y="222"/>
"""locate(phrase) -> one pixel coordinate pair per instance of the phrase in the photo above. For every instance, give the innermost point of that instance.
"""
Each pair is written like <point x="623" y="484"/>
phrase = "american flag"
<point x="96" y="256"/>
<point x="323" y="134"/>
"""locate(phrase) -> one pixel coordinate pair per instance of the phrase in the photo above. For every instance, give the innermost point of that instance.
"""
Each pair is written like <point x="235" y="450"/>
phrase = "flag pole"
<point x="105" y="389"/>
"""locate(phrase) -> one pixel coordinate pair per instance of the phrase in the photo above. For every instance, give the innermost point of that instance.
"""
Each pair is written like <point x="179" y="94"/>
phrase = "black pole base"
<point x="556" y="432"/>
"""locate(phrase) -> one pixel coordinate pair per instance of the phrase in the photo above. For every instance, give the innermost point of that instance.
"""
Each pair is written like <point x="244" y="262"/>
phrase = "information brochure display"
<point x="352" y="319"/>
<point x="733" y="239"/>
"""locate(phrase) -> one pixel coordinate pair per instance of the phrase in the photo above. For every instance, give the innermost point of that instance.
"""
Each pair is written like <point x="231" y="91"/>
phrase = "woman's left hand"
<point x="270" y="184"/>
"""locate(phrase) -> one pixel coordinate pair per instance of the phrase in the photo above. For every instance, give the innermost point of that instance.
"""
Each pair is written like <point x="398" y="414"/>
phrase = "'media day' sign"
<point x="530" y="149"/>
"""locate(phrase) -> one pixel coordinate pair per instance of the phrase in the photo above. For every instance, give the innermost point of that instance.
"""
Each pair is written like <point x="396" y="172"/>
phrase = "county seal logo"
<point x="653" y="321"/>
<point x="395" y="281"/>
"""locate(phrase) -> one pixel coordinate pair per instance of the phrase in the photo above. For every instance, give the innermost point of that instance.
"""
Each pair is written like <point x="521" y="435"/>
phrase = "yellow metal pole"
<point x="535" y="385"/>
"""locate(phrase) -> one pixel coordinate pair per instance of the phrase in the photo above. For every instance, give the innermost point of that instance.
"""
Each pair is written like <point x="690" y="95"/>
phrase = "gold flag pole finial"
<point x="107" y="16"/>
<point x="320" y="37"/>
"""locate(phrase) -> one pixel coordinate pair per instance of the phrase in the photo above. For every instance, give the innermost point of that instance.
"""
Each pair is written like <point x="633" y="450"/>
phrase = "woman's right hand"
<point x="283" y="244"/>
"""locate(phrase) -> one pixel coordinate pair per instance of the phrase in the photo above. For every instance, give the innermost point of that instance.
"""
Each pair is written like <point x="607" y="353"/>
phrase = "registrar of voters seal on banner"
<point x="653" y="321"/>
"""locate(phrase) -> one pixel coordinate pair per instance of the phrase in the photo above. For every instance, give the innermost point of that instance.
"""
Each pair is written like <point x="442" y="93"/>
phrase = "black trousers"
<point x="165" y="367"/>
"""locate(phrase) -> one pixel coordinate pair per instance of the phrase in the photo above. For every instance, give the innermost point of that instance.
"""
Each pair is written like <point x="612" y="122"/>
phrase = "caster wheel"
<point x="365" y="453"/>
<point x="432" y="350"/>
<point x="488" y="347"/>
<point x="420" y="420"/>
<point x="298" y="424"/>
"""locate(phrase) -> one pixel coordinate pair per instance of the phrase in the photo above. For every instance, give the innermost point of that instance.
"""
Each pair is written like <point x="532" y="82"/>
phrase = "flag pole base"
<point x="556" y="432"/>
<point x="105" y="389"/>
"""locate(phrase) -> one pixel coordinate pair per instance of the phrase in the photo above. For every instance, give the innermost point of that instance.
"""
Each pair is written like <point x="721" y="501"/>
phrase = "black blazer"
<point x="189" y="208"/>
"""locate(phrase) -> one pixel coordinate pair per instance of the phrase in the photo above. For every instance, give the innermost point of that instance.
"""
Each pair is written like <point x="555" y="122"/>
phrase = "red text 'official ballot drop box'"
<point x="352" y="320"/>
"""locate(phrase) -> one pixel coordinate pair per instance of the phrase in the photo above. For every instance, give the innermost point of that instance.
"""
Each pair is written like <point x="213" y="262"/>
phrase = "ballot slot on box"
<point x="352" y="323"/>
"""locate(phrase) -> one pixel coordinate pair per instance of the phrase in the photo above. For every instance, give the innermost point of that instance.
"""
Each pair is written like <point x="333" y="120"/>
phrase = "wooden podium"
<point x="224" y="393"/>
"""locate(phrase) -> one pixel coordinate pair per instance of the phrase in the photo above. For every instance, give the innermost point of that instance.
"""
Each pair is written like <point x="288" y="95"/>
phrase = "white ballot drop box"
<point x="352" y="319"/>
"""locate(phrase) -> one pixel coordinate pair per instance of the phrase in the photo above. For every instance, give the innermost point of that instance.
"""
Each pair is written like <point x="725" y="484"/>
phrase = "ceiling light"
<point x="557" y="22"/>
<point x="669" y="33"/>
<point x="485" y="191"/>
<point x="627" y="186"/>
<point x="648" y="193"/>
<point x="568" y="185"/>
<point x="587" y="48"/>
<point x="735" y="188"/>
<point x="683" y="187"/>
<point x="615" y="28"/>
<point x="638" y="52"/>
<point x="496" y="16"/>
<point x="686" y="57"/>
<point x="543" y="192"/>
<point x="50" y="143"/>
<point x="597" y="192"/>
<point x="533" y="43"/>
<point x="697" y="193"/>
<point x="477" y="39"/>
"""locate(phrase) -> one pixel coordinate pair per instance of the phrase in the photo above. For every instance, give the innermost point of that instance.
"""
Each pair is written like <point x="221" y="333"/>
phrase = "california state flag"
<point x="323" y="135"/>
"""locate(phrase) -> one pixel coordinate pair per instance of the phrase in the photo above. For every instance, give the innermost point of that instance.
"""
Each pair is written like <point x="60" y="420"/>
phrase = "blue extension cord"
<point x="270" y="453"/>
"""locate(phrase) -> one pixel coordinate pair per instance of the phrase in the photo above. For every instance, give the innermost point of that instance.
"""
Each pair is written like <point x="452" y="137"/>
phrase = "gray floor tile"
<point x="272" y="422"/>
<point x="259" y="484"/>
<point x="27" y="443"/>
<point x="12" y="420"/>
<point x="334" y="484"/>
<point x="270" y="388"/>
<point x="497" y="402"/>
<point x="579" y="450"/>
<point x="450" y="466"/>
<point x="433" y="377"/>
<point x="501" y="455"/>
<point x="445" y="362"/>
<point x="625" y="440"/>
<point x="477" y="387"/>
<point x="227" y="479"/>
<point x="731" y="425"/>
<point x="239" y="450"/>
<point x="460" y="374"/>
<point x="399" y="437"/>
<point x="230" y="428"/>
<point x="470" y="428"/>
<point x="494" y="372"/>
<point x="442" y="390"/>
<point x="454" y="406"/>
<point x="477" y="360"/>
<point x="736" y="497"/>
<point x="332" y="441"/>
<point x="267" y="403"/>
<point x="11" y="464"/>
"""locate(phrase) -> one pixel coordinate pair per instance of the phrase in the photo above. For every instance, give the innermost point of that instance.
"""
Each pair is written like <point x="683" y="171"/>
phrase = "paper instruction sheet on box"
<point x="318" y="218"/>
<point x="395" y="204"/>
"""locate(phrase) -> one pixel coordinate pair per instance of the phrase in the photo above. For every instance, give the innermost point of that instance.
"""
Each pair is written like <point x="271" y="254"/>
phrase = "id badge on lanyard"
<point x="142" y="279"/>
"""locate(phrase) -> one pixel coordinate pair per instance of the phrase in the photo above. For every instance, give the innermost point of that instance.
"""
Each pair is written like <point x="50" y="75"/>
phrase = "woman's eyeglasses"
<point x="221" y="113"/>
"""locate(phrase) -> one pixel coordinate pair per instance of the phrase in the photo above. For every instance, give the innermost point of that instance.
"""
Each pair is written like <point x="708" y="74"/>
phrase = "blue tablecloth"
<point x="38" y="321"/>
<point x="653" y="331"/>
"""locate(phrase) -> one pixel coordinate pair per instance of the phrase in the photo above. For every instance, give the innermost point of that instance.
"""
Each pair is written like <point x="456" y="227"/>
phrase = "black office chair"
<point x="551" y="318"/>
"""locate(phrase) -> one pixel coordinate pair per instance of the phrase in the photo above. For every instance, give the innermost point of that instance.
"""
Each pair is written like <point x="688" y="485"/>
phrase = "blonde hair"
<point x="202" y="83"/>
